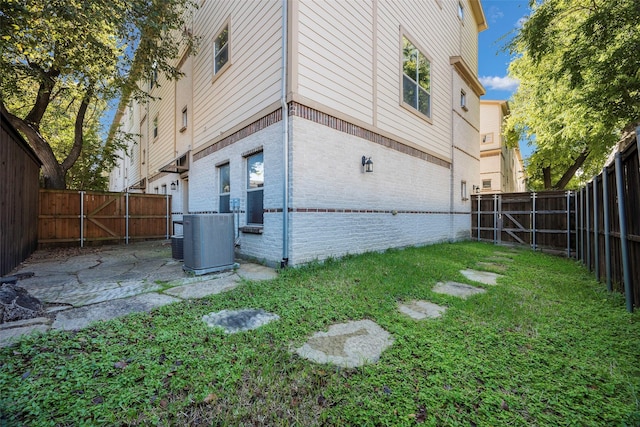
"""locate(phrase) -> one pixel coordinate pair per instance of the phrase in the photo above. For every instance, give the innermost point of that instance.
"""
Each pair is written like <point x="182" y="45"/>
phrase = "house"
<point x="501" y="167"/>
<point x="331" y="127"/>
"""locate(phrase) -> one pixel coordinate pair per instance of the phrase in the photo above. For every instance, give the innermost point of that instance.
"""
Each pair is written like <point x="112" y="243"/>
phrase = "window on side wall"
<point x="224" y="177"/>
<point x="461" y="11"/>
<point x="463" y="190"/>
<point x="416" y="78"/>
<point x="155" y="127"/>
<point x="463" y="100"/>
<point x="221" y="50"/>
<point x="255" y="188"/>
<point x="486" y="184"/>
<point x="486" y="138"/>
<point x="185" y="119"/>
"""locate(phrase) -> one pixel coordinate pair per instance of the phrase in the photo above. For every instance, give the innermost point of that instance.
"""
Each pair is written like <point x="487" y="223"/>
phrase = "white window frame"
<point x="461" y="11"/>
<point x="217" y="71"/>
<point x="222" y="192"/>
<point x="421" y="54"/>
<point x="463" y="100"/>
<point x="486" y="138"/>
<point x="259" y="188"/>
<point x="185" y="119"/>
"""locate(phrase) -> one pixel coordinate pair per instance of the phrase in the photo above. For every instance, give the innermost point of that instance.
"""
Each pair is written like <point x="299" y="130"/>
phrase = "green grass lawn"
<point x="546" y="347"/>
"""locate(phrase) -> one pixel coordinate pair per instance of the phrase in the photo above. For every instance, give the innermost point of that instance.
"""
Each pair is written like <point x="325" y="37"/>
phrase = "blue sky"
<point x="503" y="18"/>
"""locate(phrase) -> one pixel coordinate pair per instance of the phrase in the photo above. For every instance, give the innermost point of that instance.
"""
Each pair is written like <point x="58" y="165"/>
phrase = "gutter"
<point x="285" y="141"/>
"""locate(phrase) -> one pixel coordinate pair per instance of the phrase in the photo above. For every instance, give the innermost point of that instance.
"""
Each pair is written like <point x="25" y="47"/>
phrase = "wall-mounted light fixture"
<point x="476" y="189"/>
<point x="174" y="185"/>
<point x="367" y="164"/>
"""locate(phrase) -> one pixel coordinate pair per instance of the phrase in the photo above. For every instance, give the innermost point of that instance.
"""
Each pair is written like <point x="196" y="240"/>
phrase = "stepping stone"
<point x="508" y="254"/>
<point x="233" y="321"/>
<point x="481" y="276"/>
<point x="348" y="345"/>
<point x="499" y="259"/>
<point x="490" y="265"/>
<point x="420" y="310"/>
<point x="456" y="289"/>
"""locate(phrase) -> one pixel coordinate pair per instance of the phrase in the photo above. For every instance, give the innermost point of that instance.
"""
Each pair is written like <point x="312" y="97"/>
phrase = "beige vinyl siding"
<point x="469" y="34"/>
<point x="252" y="82"/>
<point x="491" y="122"/>
<point x="183" y="97"/>
<point x="424" y="23"/>
<point x="335" y="56"/>
<point x="161" y="148"/>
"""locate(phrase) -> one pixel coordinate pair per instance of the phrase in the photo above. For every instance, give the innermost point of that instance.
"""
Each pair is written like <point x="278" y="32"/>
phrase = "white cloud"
<point x="499" y="83"/>
<point x="495" y="13"/>
<point x="520" y="22"/>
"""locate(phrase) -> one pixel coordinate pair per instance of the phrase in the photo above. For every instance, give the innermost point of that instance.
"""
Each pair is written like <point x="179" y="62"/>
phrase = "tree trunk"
<point x="577" y="164"/>
<point x="546" y="173"/>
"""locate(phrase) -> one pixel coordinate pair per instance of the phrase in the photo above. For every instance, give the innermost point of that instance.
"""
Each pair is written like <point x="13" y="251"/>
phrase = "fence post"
<point x="478" y="199"/>
<point x="596" y="248"/>
<point x="607" y="225"/>
<point x="495" y="218"/>
<point x="581" y="225"/>
<point x="575" y="220"/>
<point x="81" y="219"/>
<point x="568" y="224"/>
<point x="168" y="218"/>
<point x="628" y="290"/>
<point x="126" y="218"/>
<point x="533" y="220"/>
<point x="588" y="230"/>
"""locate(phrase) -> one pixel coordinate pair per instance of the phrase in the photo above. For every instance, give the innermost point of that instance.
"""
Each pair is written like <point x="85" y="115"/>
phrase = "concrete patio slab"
<point x="10" y="336"/>
<point x="420" y="310"/>
<point x="456" y="289"/>
<point x="204" y="288"/>
<point x="485" y="277"/>
<point x="79" y="318"/>
<point x="348" y="345"/>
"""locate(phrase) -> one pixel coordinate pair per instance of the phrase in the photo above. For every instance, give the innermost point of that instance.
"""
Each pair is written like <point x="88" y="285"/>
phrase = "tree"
<point x="579" y="88"/>
<point x="61" y="60"/>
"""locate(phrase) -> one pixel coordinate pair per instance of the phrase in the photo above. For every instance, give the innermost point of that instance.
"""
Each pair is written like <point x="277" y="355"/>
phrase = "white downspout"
<point x="285" y="141"/>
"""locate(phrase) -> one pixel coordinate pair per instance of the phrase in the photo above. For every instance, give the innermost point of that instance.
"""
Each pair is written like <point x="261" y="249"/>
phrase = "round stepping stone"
<point x="420" y="310"/>
<point x="233" y="321"/>
<point x="481" y="276"/>
<point x="347" y="344"/>
<point x="456" y="289"/>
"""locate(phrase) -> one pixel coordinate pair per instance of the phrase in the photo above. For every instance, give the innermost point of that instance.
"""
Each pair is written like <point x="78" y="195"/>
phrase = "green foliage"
<point x="579" y="84"/>
<point x="547" y="346"/>
<point x="60" y="59"/>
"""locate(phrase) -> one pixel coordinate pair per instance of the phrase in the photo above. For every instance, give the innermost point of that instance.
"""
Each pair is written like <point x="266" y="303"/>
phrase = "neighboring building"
<point x="392" y="83"/>
<point x="501" y="167"/>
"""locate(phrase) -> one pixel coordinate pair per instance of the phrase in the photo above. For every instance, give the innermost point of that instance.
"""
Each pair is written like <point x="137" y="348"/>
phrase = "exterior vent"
<point x="208" y="243"/>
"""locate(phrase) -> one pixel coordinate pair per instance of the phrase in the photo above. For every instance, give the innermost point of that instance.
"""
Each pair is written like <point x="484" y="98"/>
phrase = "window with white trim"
<point x="221" y="49"/>
<point x="224" y="177"/>
<point x="155" y="127"/>
<point x="416" y="78"/>
<point x="486" y="184"/>
<point x="463" y="100"/>
<point x="460" y="11"/>
<point x="185" y="119"/>
<point x="255" y="188"/>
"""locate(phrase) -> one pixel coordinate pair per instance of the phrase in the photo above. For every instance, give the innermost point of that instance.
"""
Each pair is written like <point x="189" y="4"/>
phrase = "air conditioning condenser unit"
<point x="208" y="243"/>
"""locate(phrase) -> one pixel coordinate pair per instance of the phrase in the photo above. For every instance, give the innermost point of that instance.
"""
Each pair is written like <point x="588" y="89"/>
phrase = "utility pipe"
<point x="285" y="141"/>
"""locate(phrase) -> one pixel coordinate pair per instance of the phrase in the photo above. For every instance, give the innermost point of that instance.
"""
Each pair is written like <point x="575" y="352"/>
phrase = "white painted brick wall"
<point x="204" y="194"/>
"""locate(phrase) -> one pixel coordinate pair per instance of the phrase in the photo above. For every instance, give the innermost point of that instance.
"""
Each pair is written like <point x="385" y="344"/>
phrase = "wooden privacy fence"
<point x="88" y="217"/>
<point x="598" y="224"/>
<point x="609" y="225"/>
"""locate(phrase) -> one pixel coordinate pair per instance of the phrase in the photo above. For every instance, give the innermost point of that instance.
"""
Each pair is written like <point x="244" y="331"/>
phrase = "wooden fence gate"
<point x="542" y="221"/>
<point x="81" y="217"/>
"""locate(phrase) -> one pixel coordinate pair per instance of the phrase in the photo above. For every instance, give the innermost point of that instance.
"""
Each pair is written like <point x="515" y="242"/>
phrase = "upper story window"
<point x="487" y="138"/>
<point x="255" y="185"/>
<point x="416" y="78"/>
<point x="154" y="76"/>
<point x="185" y="119"/>
<point x="225" y="188"/>
<point x="461" y="11"/>
<point x="221" y="50"/>
<point x="463" y="100"/>
<point x="155" y="127"/>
